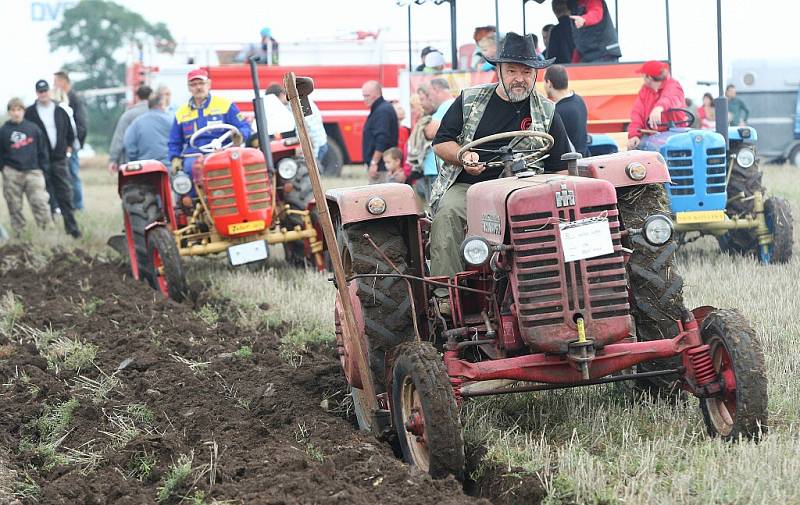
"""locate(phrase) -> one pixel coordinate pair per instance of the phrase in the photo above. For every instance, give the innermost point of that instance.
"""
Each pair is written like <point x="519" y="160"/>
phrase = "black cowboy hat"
<point x="515" y="48"/>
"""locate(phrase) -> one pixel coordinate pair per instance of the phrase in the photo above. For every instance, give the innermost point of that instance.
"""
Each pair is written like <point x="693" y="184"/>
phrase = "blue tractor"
<point x="716" y="190"/>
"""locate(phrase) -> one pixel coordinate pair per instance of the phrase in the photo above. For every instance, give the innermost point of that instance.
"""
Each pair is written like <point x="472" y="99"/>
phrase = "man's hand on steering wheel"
<point x="471" y="163"/>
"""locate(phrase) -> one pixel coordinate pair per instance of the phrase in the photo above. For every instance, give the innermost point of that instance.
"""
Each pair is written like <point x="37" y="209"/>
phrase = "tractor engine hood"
<point x="554" y="283"/>
<point x="487" y="201"/>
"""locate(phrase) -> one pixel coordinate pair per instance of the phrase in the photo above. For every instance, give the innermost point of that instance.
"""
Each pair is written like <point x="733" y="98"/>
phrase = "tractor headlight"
<point x="475" y="251"/>
<point x="287" y="168"/>
<point x="181" y="183"/>
<point x="658" y="229"/>
<point x="636" y="171"/>
<point x="376" y="206"/>
<point x="745" y="157"/>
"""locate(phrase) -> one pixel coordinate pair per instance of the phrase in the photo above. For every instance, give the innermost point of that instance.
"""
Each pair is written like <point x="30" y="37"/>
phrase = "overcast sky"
<point x="751" y="29"/>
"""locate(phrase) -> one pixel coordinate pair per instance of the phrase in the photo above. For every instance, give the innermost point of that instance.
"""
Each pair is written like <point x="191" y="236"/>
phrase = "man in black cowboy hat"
<point x="511" y="104"/>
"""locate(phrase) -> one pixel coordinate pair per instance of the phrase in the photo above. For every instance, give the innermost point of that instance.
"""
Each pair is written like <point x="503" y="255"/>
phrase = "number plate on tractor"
<point x="248" y="253"/>
<point x="586" y="238"/>
<point x="700" y="216"/>
<point x="237" y="228"/>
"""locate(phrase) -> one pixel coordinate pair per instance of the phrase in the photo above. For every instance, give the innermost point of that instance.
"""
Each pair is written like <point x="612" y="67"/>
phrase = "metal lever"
<point x="572" y="162"/>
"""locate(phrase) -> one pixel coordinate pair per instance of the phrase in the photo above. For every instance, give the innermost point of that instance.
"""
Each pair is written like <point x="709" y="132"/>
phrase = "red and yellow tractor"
<point x="233" y="203"/>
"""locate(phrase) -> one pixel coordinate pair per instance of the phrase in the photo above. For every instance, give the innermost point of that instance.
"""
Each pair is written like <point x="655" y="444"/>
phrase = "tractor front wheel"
<point x="778" y="215"/>
<point x="165" y="261"/>
<point x="425" y="413"/>
<point x="740" y="409"/>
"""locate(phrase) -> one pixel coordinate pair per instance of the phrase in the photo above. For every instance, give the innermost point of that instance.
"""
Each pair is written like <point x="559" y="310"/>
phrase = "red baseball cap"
<point x="652" y="68"/>
<point x="198" y="73"/>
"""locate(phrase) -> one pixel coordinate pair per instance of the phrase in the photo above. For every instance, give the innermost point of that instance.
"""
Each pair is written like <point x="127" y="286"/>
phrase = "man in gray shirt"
<point x="146" y="138"/>
<point x="116" y="153"/>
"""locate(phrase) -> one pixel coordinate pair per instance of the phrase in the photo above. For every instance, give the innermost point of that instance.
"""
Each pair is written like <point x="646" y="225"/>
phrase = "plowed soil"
<point x="257" y="428"/>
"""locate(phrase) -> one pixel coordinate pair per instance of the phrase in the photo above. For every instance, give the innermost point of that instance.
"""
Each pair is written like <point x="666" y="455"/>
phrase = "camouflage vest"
<point x="475" y="100"/>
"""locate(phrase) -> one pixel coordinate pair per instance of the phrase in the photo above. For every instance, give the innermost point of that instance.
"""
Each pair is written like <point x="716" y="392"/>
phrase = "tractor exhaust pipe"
<point x="721" y="112"/>
<point x="261" y="116"/>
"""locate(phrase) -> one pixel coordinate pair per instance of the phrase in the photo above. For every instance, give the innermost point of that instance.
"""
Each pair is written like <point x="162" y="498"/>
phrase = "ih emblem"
<point x="565" y="197"/>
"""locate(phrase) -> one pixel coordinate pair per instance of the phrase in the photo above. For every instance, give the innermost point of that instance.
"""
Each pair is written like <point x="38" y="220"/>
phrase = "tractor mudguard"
<point x="614" y="168"/>
<point x="700" y="313"/>
<point x="153" y="173"/>
<point x="351" y="203"/>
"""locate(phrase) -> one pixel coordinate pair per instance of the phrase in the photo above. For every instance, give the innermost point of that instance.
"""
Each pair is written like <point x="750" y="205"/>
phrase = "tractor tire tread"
<point x="160" y="238"/>
<point x="385" y="302"/>
<point x="656" y="287"/>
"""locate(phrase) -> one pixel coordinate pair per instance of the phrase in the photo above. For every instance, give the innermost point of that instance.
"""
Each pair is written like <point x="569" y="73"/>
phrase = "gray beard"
<point x="518" y="96"/>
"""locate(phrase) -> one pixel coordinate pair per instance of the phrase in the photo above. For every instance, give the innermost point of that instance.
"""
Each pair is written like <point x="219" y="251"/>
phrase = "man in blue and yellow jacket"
<point x="201" y="110"/>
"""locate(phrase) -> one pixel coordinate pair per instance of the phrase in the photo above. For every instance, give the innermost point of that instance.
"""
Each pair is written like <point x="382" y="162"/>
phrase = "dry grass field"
<point x="592" y="445"/>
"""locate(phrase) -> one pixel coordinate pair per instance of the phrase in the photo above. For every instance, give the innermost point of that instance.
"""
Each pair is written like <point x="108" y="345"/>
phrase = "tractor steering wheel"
<point x="511" y="159"/>
<point x="687" y="122"/>
<point x="216" y="144"/>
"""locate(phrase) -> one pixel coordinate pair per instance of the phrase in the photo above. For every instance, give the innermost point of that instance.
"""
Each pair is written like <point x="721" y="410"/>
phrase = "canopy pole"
<point x="497" y="19"/>
<point x="453" y="44"/>
<point x="669" y="40"/>
<point x="719" y="46"/>
<point x="410" y="68"/>
<point x="616" y="17"/>
<point x="524" y="24"/>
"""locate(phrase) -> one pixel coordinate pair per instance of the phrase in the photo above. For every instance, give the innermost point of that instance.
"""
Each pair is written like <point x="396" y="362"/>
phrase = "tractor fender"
<point x="700" y="313"/>
<point x="613" y="168"/>
<point x="351" y="203"/>
<point x="153" y="173"/>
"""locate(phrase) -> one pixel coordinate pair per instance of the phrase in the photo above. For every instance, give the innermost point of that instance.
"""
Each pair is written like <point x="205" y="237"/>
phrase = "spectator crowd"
<point x="40" y="143"/>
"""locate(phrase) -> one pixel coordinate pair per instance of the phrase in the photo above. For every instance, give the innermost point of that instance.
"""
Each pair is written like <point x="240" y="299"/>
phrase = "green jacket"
<point x="475" y="100"/>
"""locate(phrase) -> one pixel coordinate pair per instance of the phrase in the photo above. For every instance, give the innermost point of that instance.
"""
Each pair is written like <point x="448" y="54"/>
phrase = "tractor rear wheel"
<point x="165" y="261"/>
<point x="425" y="413"/>
<point x="141" y="207"/>
<point x="385" y="302"/>
<point x="657" y="289"/>
<point x="740" y="410"/>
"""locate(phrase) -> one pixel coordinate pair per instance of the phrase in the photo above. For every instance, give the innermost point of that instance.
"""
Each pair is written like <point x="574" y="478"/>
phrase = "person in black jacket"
<point x="380" y="131"/>
<point x="62" y="82"/>
<point x="569" y="105"/>
<point x="55" y="122"/>
<point x="593" y="32"/>
<point x="24" y="159"/>
<point x="560" y="44"/>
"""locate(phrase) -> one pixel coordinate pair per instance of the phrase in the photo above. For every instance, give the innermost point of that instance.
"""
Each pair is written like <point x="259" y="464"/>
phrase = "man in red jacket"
<point x="659" y="93"/>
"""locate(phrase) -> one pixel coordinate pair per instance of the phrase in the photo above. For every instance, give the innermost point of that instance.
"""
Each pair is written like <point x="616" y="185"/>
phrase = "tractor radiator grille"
<point x="681" y="171"/>
<point x="256" y="187"/>
<point x="716" y="169"/>
<point x="551" y="290"/>
<point x="220" y="193"/>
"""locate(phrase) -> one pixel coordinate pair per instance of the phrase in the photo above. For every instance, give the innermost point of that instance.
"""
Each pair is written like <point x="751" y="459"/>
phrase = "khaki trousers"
<point x="31" y="184"/>
<point x="447" y="233"/>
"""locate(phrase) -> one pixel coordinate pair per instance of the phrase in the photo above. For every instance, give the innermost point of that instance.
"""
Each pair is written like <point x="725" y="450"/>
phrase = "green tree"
<point x="99" y="31"/>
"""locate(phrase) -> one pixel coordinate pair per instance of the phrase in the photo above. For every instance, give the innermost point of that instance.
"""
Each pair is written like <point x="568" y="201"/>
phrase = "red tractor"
<point x="234" y="202"/>
<point x="569" y="281"/>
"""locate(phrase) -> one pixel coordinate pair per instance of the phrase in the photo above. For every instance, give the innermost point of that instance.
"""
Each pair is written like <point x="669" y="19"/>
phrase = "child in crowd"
<point x="393" y="159"/>
<point x="24" y="159"/>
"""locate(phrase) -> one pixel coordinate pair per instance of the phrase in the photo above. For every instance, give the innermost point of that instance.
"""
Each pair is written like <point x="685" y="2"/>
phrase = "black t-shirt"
<point x="572" y="110"/>
<point x="500" y="116"/>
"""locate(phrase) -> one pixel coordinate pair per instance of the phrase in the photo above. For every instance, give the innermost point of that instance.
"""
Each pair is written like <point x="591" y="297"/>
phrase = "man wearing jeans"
<point x="62" y="82"/>
<point x="55" y="122"/>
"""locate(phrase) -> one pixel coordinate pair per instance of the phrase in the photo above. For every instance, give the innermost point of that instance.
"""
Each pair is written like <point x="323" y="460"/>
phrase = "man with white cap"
<point x="202" y="110"/>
